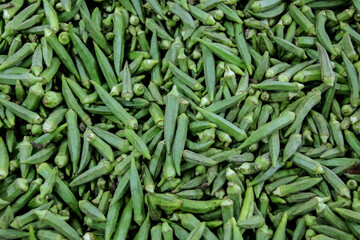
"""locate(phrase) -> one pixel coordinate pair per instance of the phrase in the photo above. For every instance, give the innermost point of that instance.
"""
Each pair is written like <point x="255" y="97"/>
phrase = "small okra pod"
<point x="4" y="160"/>
<point x="155" y="28"/>
<point x="113" y="140"/>
<point x="121" y="188"/>
<point x="337" y="133"/>
<point x="51" y="123"/>
<point x="197" y="126"/>
<point x="299" y="185"/>
<point x="227" y="209"/>
<point x="72" y="103"/>
<point x="127" y="90"/>
<point x="352" y="75"/>
<point x="321" y="33"/>
<point x="264" y="233"/>
<point x="105" y="67"/>
<point x="252" y="222"/>
<point x="292" y="146"/>
<point x="290" y="72"/>
<point x="103" y="168"/>
<point x="201" y="15"/>
<point x="197" y="232"/>
<point x="302" y="20"/>
<point x="115" y="107"/>
<point x="58" y="224"/>
<point x="33" y="99"/>
<point x="209" y="71"/>
<point x="157" y="115"/>
<point x="147" y="178"/>
<point x="36" y="66"/>
<point x="137" y="194"/>
<point x="167" y="231"/>
<point x="327" y="73"/>
<point x="336" y="183"/>
<point x="52" y="99"/>
<point x="14" y="190"/>
<point x="155" y="231"/>
<point x="47" y="187"/>
<point x="289" y="47"/>
<point x="137" y="142"/>
<point x="222" y="52"/>
<point x="321" y="125"/>
<point x="179" y="141"/>
<point x="197" y="158"/>
<point x="181" y="13"/>
<point x="278" y="86"/>
<point x="186" y="79"/>
<point x="62" y="158"/>
<point x="61" y="52"/>
<point x="307" y="163"/>
<point x="51" y="16"/>
<point x="323" y="210"/>
<point x="332" y="232"/>
<point x="310" y="100"/>
<point x="248" y="204"/>
<point x="26" y="50"/>
<point x="171" y="113"/>
<point x="74" y="140"/>
<point x="352" y="141"/>
<point x="41" y="156"/>
<point x="91" y="211"/>
<point x="269" y="128"/>
<point x="276" y="69"/>
<point x="263" y="204"/>
<point x="272" y="186"/>
<point x="95" y="33"/>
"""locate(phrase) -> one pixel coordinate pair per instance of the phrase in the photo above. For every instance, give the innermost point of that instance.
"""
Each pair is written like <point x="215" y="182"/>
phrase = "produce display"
<point x="181" y="119"/>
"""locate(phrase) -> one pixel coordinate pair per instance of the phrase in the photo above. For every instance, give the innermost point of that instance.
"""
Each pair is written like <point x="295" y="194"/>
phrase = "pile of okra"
<point x="181" y="119"/>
